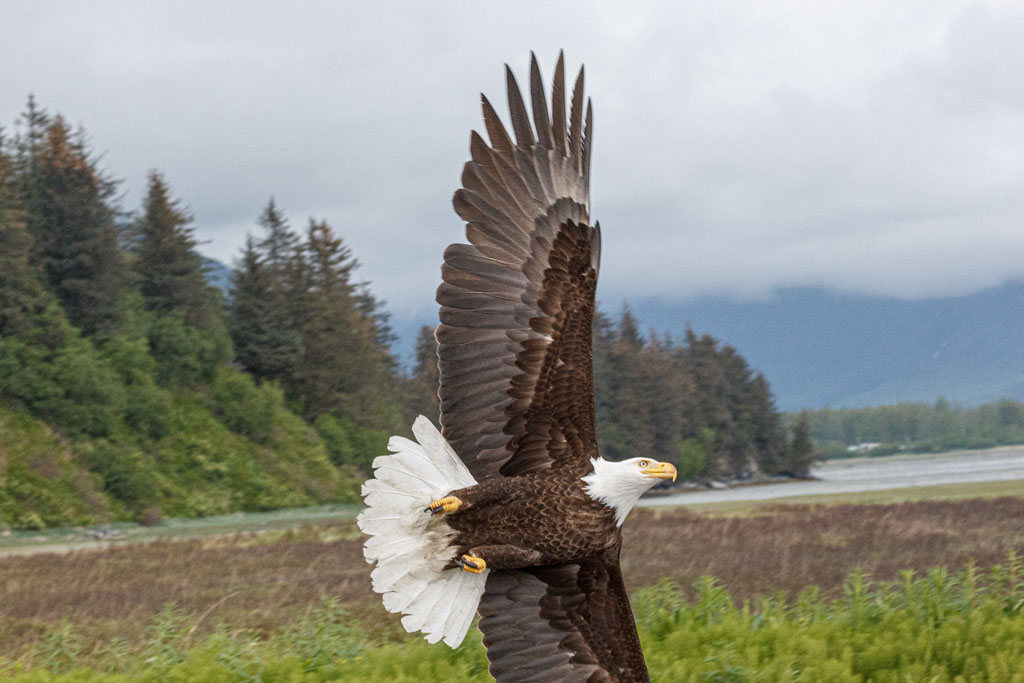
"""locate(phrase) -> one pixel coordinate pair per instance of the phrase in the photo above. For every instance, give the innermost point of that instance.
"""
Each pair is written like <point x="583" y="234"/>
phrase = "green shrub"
<point x="71" y="387"/>
<point x="127" y="474"/>
<point x="245" y="408"/>
<point x="350" y="444"/>
<point x="186" y="355"/>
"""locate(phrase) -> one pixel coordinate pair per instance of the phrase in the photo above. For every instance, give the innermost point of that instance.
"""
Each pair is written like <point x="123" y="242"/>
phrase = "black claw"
<point x="466" y="563"/>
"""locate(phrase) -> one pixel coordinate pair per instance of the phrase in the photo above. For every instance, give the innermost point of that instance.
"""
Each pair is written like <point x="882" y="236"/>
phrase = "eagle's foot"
<point x="446" y="504"/>
<point x="471" y="564"/>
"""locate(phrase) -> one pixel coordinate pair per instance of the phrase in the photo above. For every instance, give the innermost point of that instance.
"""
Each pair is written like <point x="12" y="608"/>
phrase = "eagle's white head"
<point x="619" y="485"/>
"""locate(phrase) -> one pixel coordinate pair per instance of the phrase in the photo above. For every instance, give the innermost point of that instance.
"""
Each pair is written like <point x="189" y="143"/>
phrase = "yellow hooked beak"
<point x="661" y="470"/>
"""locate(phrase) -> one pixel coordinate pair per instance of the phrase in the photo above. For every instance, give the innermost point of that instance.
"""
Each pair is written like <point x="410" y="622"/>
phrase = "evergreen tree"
<point x="21" y="295"/>
<point x="250" y="288"/>
<point x="373" y="310"/>
<point x="278" y="246"/>
<point x="769" y="435"/>
<point x="738" y="449"/>
<point x="663" y="397"/>
<point x="267" y="295"/>
<point x="170" y="271"/>
<point x="339" y="363"/>
<point x="629" y="329"/>
<point x="69" y="214"/>
<point x="801" y="449"/>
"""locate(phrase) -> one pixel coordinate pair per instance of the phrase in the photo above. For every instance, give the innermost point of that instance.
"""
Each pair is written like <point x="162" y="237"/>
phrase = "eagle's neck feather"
<point x="611" y="483"/>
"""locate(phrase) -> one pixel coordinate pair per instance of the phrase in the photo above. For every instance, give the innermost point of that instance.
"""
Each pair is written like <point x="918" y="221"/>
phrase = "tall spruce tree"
<point x="279" y="245"/>
<point x="738" y="449"/>
<point x="801" y="453"/>
<point x="261" y="347"/>
<point x="21" y="295"/>
<point x="69" y="212"/>
<point x="769" y="435"/>
<point x="338" y="365"/>
<point x="268" y="294"/>
<point x="170" y="271"/>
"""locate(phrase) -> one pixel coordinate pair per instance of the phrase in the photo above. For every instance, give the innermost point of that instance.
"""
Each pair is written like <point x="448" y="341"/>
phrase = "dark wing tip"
<point x="517" y="110"/>
<point x="588" y="139"/>
<point x="500" y="140"/>
<point x="558" y="130"/>
<point x="540" y="104"/>
<point x="576" y="119"/>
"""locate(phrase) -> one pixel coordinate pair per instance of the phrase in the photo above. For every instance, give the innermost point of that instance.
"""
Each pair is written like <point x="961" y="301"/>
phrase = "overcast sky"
<point x="871" y="147"/>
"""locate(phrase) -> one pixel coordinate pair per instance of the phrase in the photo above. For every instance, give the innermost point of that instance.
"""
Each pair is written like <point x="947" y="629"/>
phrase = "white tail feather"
<point x="409" y="545"/>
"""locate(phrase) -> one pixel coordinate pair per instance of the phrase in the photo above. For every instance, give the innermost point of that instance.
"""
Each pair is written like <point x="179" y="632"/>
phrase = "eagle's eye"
<point x="643" y="463"/>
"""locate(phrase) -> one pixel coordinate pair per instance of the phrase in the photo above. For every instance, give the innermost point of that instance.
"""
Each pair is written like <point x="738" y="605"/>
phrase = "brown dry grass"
<point x="255" y="584"/>
<point x="789" y="547"/>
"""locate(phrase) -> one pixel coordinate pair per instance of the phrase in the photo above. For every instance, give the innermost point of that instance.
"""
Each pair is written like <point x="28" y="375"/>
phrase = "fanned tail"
<point x="410" y="546"/>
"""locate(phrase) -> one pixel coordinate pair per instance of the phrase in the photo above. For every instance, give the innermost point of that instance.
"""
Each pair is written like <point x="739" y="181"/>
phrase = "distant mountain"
<point x="218" y="274"/>
<point x="821" y="348"/>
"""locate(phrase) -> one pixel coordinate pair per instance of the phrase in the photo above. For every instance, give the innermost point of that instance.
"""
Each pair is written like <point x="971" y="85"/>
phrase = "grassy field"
<point x="269" y="581"/>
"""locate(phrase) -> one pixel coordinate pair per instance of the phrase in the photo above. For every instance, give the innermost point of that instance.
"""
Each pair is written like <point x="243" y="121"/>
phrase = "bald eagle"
<point x="510" y="511"/>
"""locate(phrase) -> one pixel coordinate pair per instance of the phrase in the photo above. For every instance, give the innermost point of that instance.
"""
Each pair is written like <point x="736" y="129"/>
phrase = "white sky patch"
<point x="740" y="147"/>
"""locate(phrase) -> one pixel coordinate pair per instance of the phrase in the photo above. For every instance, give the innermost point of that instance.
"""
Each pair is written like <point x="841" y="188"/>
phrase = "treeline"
<point x="698" y="404"/>
<point x="917" y="427"/>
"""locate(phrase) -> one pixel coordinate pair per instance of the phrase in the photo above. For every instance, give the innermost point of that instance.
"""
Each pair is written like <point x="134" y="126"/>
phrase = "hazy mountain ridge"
<point x="218" y="274"/>
<point x="821" y="348"/>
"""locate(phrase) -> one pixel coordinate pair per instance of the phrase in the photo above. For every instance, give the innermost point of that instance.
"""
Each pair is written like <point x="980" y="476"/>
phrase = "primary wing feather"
<point x="517" y="302"/>
<point x="569" y="622"/>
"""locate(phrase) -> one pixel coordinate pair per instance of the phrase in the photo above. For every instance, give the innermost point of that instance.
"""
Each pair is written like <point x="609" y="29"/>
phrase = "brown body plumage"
<point x="508" y="521"/>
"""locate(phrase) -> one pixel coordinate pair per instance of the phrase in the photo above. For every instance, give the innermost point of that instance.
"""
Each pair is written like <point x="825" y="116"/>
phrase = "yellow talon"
<point x="472" y="564"/>
<point x="446" y="504"/>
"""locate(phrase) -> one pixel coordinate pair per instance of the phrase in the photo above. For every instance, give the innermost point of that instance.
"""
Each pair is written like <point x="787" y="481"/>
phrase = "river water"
<point x="874" y="474"/>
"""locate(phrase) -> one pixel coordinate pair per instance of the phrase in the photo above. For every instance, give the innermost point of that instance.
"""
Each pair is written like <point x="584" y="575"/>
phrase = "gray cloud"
<point x="740" y="146"/>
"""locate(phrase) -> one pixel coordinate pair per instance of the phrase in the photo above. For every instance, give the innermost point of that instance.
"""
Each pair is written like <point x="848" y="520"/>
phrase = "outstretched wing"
<point x="517" y="302"/>
<point x="562" y="623"/>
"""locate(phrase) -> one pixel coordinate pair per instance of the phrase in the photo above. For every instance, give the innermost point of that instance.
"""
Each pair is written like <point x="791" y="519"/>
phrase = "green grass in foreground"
<point x="983" y="489"/>
<point x="967" y="627"/>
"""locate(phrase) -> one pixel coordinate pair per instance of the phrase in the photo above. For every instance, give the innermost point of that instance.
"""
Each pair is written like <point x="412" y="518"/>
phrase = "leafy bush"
<point x="245" y="408"/>
<point x="184" y="354"/>
<point x="127" y="474"/>
<point x="71" y="387"/>
<point x="350" y="444"/>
